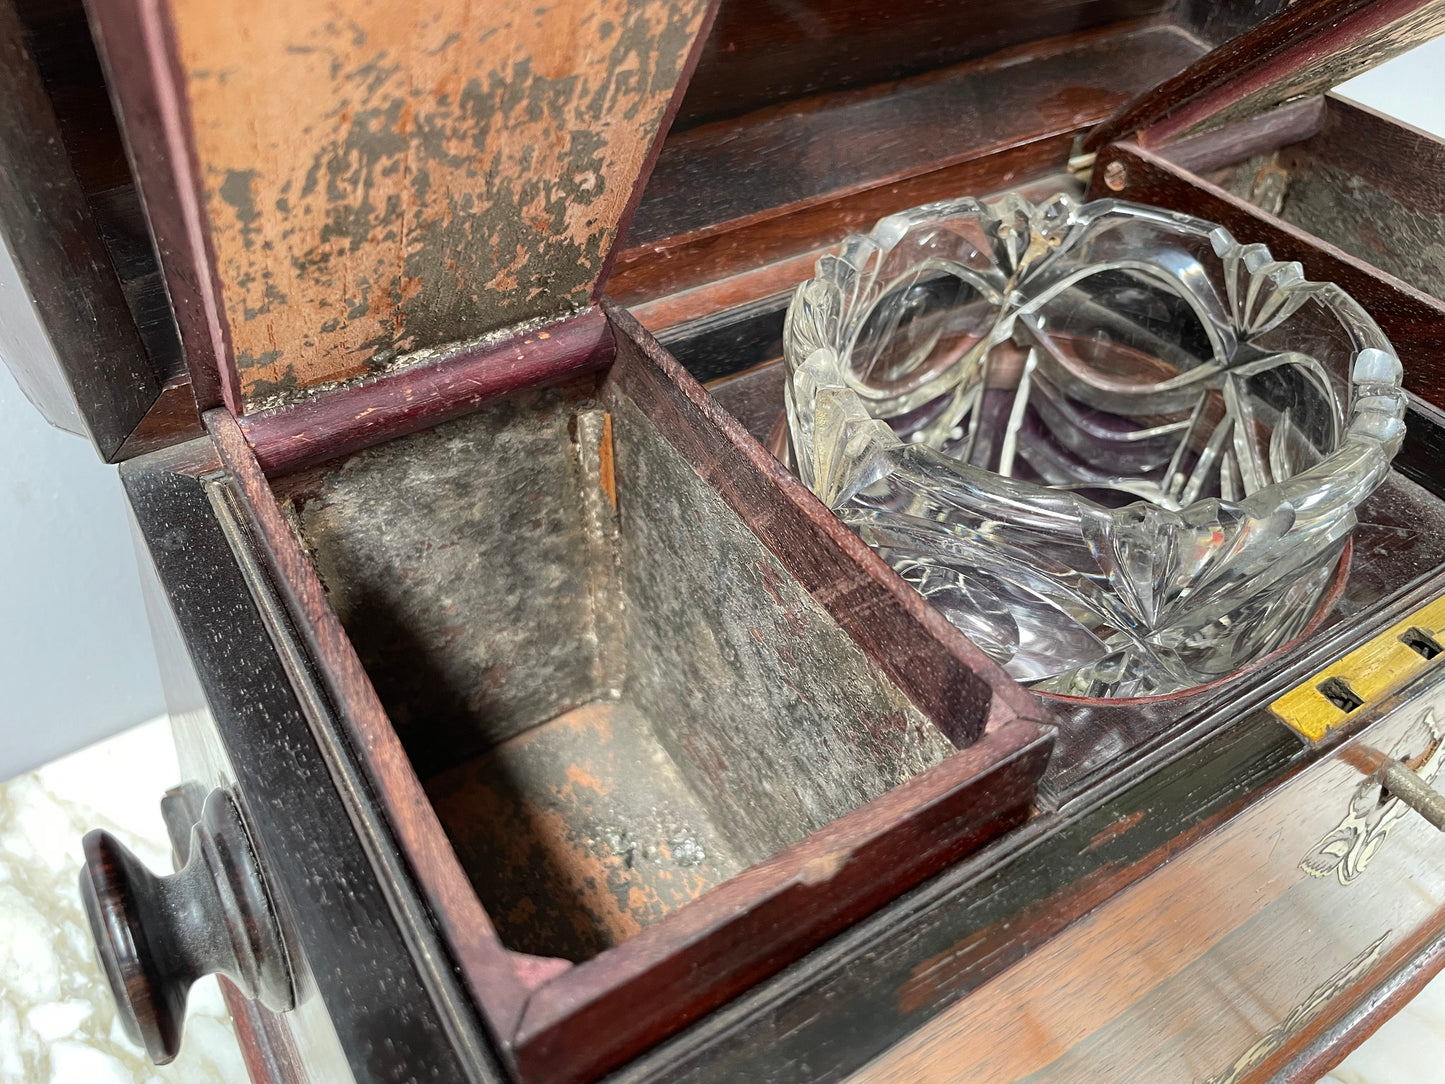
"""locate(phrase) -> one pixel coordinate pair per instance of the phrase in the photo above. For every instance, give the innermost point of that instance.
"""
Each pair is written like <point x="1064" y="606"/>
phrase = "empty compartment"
<point x="1363" y="182"/>
<point x="615" y="695"/>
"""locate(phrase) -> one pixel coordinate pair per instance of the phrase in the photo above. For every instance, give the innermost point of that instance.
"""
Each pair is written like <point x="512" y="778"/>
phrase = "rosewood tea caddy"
<point x="538" y="724"/>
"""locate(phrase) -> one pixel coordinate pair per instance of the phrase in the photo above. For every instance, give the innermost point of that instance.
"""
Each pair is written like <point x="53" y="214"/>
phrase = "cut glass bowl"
<point x="1116" y="447"/>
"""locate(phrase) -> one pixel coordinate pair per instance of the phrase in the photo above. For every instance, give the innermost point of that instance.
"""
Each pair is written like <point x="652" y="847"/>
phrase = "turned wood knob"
<point x="157" y="935"/>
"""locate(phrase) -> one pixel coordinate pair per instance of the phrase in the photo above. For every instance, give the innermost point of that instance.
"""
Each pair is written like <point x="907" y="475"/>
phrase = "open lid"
<point x="328" y="191"/>
<point x="336" y="189"/>
<point x="1298" y="52"/>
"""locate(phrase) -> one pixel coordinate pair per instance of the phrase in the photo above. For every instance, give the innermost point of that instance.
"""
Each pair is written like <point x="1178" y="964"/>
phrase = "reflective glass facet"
<point x="1116" y="447"/>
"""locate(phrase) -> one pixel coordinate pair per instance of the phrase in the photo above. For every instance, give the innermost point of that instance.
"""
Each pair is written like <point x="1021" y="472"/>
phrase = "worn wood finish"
<point x="1301" y="50"/>
<point x="597" y="1015"/>
<point x="758" y="259"/>
<point x="240" y="721"/>
<point x="952" y="681"/>
<point x="1161" y="860"/>
<point x="428" y="176"/>
<point x="1217" y="21"/>
<point x="1314" y="1052"/>
<point x="1413" y="320"/>
<point x="728" y="197"/>
<point x="991" y="916"/>
<point x="890" y="974"/>
<point x="347" y="419"/>
<point x="489" y="973"/>
<point x="103" y="385"/>
<point x="677" y="964"/>
<point x="762" y="54"/>
<point x="1263" y="901"/>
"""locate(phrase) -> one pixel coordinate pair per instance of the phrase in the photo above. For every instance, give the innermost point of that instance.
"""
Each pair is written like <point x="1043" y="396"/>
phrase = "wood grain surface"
<point x="346" y="419"/>
<point x="98" y="382"/>
<point x="1230" y="958"/>
<point x="731" y="196"/>
<point x="1304" y="49"/>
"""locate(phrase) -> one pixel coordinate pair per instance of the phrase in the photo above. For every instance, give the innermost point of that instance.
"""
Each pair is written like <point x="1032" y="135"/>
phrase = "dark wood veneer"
<point x="594" y="1016"/>
<point x="899" y="913"/>
<point x="728" y="197"/>
<point x="352" y="417"/>
<point x="100" y="382"/>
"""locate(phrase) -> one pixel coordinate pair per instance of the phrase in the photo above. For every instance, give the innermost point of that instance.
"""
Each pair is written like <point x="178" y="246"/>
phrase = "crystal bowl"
<point x="1117" y="448"/>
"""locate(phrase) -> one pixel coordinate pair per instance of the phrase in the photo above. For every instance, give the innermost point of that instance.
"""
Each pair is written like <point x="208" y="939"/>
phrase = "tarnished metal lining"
<point x="616" y="695"/>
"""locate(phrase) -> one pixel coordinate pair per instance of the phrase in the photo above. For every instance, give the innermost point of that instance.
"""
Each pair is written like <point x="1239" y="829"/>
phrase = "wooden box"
<point x="570" y="733"/>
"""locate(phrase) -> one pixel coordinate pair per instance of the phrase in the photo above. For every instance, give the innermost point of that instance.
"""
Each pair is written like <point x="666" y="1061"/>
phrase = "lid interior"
<point x="330" y="201"/>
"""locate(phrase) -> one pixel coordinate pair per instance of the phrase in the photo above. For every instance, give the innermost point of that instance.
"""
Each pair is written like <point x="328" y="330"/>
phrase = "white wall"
<point x="1410" y="87"/>
<point x="75" y="652"/>
<point x="76" y="662"/>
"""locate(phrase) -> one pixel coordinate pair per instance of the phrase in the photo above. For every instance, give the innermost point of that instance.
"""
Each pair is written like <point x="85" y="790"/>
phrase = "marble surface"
<point x="57" y="1022"/>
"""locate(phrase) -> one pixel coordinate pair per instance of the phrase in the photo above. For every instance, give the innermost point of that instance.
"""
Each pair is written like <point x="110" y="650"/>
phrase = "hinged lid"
<point x="333" y="191"/>
<point x="344" y="186"/>
<point x="1302" y="50"/>
<point x="329" y="190"/>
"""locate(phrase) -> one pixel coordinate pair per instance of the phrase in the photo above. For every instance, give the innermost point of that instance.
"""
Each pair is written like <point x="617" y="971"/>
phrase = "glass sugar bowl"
<point x="1117" y="448"/>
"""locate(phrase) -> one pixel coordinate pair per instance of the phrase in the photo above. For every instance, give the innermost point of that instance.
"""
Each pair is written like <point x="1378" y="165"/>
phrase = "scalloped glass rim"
<point x="945" y="312"/>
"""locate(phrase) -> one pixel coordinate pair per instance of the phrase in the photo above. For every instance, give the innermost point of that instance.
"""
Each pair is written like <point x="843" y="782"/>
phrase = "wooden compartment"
<point x="675" y="723"/>
<point x="1364" y="183"/>
<point x="632" y="716"/>
<point x="616" y="697"/>
<point x="1194" y="117"/>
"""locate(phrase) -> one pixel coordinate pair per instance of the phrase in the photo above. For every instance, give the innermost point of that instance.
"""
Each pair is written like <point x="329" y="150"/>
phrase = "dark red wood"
<point x="604" y="1011"/>
<point x="936" y="666"/>
<point x="1256" y="135"/>
<point x="171" y="419"/>
<point x="349" y="418"/>
<point x="1304" y="49"/>
<point x="485" y="966"/>
<point x="761" y="54"/>
<point x="1413" y="320"/>
<point x="137" y="47"/>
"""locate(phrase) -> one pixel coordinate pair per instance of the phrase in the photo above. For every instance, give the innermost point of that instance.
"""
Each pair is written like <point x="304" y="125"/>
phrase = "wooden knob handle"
<point x="157" y="935"/>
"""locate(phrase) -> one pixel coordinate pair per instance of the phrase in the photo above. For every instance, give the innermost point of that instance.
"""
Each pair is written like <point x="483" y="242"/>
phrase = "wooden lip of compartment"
<point x="740" y="208"/>
<point x="568" y="1023"/>
<point x="1338" y="193"/>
